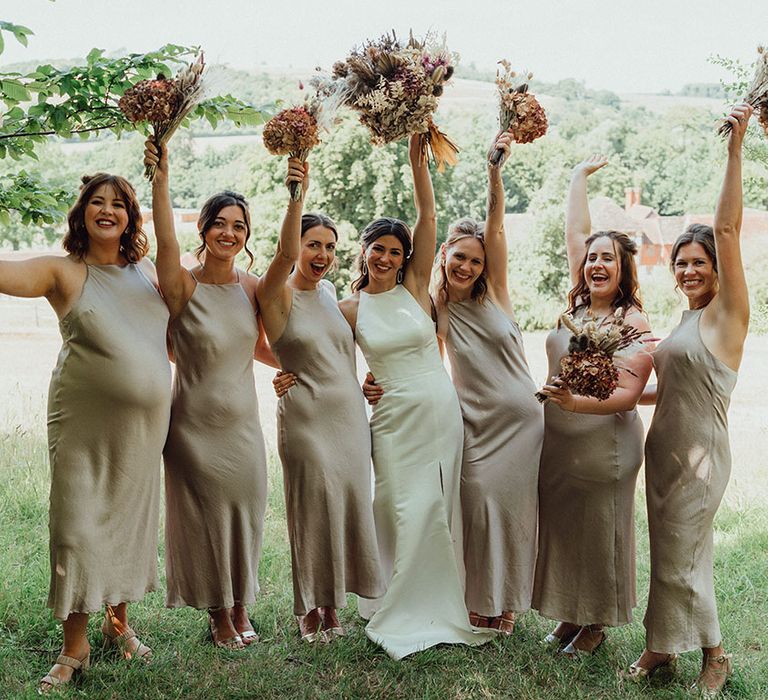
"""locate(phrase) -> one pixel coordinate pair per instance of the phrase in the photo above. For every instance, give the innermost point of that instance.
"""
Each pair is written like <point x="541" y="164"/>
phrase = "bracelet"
<point x="575" y="404"/>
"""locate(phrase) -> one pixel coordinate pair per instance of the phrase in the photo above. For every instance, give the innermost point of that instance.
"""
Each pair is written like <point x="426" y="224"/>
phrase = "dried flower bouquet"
<point x="520" y="112"/>
<point x="589" y="368"/>
<point x="395" y="88"/>
<point x="757" y="95"/>
<point x="165" y="102"/>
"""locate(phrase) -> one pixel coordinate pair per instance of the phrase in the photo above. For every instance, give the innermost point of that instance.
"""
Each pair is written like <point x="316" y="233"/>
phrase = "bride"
<point x="416" y="432"/>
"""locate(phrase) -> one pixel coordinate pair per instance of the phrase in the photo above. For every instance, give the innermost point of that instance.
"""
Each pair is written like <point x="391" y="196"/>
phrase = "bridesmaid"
<point x="324" y="441"/>
<point x="215" y="460"/>
<point x="503" y="421"/>
<point x="585" y="571"/>
<point x="416" y="432"/>
<point x="687" y="455"/>
<point x="108" y="408"/>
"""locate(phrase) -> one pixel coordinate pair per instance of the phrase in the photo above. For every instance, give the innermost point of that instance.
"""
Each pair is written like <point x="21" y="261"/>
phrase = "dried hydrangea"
<point x="291" y="132"/>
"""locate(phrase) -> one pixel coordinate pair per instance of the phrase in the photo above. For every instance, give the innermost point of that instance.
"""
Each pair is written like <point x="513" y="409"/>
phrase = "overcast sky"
<point x="620" y="45"/>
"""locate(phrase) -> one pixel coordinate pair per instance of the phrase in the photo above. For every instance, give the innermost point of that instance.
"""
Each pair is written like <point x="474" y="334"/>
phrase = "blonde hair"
<point x="457" y="231"/>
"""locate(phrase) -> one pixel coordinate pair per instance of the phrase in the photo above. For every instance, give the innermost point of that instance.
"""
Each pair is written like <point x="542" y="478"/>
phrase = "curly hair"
<point x="628" y="293"/>
<point x="385" y="226"/>
<point x="133" y="241"/>
<point x="213" y="205"/>
<point x="458" y="230"/>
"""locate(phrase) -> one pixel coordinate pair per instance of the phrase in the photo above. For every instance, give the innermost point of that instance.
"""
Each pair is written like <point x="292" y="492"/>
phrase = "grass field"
<point x="280" y="666"/>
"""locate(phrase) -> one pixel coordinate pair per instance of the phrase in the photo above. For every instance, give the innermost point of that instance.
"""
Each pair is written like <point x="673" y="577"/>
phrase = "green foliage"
<point x="32" y="200"/>
<point x="82" y="100"/>
<point x="19" y="32"/>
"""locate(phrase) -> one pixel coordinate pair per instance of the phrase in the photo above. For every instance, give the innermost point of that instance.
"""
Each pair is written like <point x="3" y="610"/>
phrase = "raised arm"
<point x="425" y="230"/>
<point x="495" y="238"/>
<point x="578" y="224"/>
<point x="732" y="307"/>
<point x="272" y="293"/>
<point x="176" y="283"/>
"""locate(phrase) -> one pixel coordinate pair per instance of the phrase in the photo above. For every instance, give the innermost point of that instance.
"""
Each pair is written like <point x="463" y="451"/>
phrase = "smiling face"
<point x="695" y="274"/>
<point x="226" y="236"/>
<point x="384" y="257"/>
<point x="318" y="251"/>
<point x="602" y="270"/>
<point x="464" y="262"/>
<point x="105" y="215"/>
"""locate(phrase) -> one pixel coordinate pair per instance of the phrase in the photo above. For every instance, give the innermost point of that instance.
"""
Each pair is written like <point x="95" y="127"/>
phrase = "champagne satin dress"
<point x="215" y="460"/>
<point x="108" y="409"/>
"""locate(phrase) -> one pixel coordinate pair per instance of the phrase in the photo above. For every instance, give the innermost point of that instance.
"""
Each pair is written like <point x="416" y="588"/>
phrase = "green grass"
<point x="281" y="666"/>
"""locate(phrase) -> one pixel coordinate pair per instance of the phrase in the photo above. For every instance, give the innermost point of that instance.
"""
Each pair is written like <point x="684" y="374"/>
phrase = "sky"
<point x="622" y="45"/>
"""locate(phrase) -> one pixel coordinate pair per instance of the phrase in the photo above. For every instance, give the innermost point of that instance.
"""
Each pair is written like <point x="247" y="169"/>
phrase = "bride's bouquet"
<point x="520" y="112"/>
<point x="165" y="102"/>
<point x="589" y="368"/>
<point x="395" y="88"/>
<point x="757" y="96"/>
<point x="294" y="132"/>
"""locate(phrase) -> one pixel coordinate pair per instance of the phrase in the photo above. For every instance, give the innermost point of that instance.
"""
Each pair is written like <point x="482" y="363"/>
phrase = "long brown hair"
<point x="628" y="293"/>
<point x="385" y="226"/>
<point x="210" y="211"/>
<point x="458" y="230"/>
<point x="696" y="233"/>
<point x="133" y="241"/>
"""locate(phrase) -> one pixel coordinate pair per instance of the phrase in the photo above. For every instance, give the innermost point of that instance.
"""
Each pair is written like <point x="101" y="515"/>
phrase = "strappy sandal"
<point x="231" y="644"/>
<point x="49" y="682"/>
<point x="317" y="635"/>
<point x="504" y="623"/>
<point x="715" y="668"/>
<point x="573" y="652"/>
<point x="331" y="628"/>
<point x="120" y="635"/>
<point x="554" y="641"/>
<point x="477" y="620"/>
<point x="638" y="673"/>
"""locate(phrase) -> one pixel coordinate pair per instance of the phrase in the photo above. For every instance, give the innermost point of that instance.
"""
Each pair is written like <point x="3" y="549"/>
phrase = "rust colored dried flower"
<point x="151" y="101"/>
<point x="291" y="132"/>
<point x="590" y="373"/>
<point x="530" y="120"/>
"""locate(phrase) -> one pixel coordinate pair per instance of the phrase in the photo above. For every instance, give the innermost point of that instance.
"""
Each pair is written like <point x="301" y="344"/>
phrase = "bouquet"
<point x="588" y="369"/>
<point x="165" y="102"/>
<point x="294" y="132"/>
<point x="519" y="112"/>
<point x="395" y="89"/>
<point x="757" y="96"/>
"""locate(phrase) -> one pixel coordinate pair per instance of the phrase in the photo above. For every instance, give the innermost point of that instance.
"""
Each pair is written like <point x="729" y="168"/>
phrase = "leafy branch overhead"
<point x="83" y="100"/>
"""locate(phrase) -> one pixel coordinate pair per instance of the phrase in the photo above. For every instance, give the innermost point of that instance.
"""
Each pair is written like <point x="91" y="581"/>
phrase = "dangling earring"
<point x="400" y="276"/>
<point x="364" y="266"/>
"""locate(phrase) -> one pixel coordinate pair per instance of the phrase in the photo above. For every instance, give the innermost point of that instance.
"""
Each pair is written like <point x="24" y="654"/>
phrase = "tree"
<point x="81" y="100"/>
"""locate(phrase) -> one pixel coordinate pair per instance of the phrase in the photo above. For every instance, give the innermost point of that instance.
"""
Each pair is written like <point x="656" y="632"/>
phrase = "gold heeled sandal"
<point x="717" y="668"/>
<point x="119" y="635"/>
<point x="638" y="673"/>
<point x="49" y="682"/>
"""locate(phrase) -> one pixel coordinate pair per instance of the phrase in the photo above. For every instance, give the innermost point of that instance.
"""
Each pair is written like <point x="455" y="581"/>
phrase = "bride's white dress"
<point x="417" y="434"/>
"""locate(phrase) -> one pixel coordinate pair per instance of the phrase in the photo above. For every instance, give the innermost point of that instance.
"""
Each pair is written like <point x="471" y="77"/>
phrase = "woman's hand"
<point x="502" y="142"/>
<point x="590" y="165"/>
<point x="558" y="392"/>
<point x="298" y="172"/>
<point x="282" y="382"/>
<point x="739" y="120"/>
<point x="157" y="157"/>
<point x="372" y="391"/>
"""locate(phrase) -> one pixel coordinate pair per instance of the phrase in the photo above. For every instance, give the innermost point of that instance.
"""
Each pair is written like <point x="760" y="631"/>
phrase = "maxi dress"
<point x="503" y="432"/>
<point x="416" y="430"/>
<point x="325" y="447"/>
<point x="108" y="409"/>
<point x="215" y="460"/>
<point x="687" y="466"/>
<point x="585" y="570"/>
